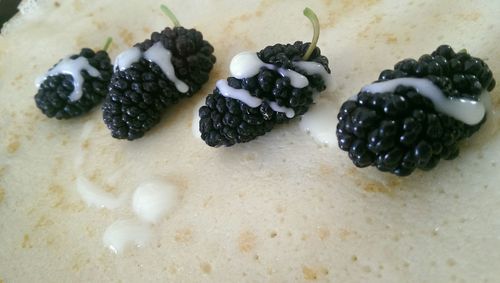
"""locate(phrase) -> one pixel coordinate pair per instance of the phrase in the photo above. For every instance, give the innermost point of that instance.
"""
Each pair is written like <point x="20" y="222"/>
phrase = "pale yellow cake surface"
<point x="282" y="208"/>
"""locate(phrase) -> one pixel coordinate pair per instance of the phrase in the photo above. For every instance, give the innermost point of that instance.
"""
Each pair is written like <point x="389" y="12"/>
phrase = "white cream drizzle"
<point x="289" y="112"/>
<point x="72" y="67"/>
<point x="468" y="111"/>
<point x="94" y="196"/>
<point x="156" y="54"/>
<point x="123" y="233"/>
<point x="239" y="94"/>
<point x="252" y="101"/>
<point x="312" y="68"/>
<point x="125" y="59"/>
<point x="248" y="64"/>
<point x="163" y="58"/>
<point x="297" y="80"/>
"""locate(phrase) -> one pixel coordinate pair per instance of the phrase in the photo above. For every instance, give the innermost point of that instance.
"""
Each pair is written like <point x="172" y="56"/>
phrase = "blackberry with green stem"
<point x="399" y="131"/>
<point x="140" y="93"/>
<point x="64" y="94"/>
<point x="225" y="121"/>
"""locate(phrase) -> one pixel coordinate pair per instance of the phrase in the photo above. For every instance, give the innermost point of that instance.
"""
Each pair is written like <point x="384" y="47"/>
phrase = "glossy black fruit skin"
<point x="401" y="131"/>
<point x="52" y="97"/>
<point x="139" y="95"/>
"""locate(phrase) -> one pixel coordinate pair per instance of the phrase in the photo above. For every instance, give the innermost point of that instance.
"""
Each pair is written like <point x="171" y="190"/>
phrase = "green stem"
<point x="315" y="22"/>
<point x="108" y="43"/>
<point x="171" y="15"/>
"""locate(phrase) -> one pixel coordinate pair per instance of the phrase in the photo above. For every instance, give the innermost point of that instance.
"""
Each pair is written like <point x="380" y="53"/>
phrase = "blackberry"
<point x="266" y="88"/>
<point x="403" y="129"/>
<point x="67" y="91"/>
<point x="140" y="92"/>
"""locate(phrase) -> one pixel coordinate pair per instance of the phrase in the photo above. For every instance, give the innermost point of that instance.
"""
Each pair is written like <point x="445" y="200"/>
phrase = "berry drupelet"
<point x="416" y="114"/>
<point x="171" y="65"/>
<point x="75" y="84"/>
<point x="266" y="88"/>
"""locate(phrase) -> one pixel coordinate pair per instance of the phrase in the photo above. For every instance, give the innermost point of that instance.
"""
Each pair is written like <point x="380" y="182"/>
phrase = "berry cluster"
<point x="400" y="131"/>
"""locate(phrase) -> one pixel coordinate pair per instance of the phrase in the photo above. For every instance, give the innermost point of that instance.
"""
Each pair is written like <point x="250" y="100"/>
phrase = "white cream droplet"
<point x="94" y="196"/>
<point x="468" y="111"/>
<point x="156" y="54"/>
<point x="163" y="58"/>
<point x="125" y="59"/>
<point x="123" y="233"/>
<point x="72" y="67"/>
<point x="154" y="199"/>
<point x="319" y="122"/>
<point x="245" y="65"/>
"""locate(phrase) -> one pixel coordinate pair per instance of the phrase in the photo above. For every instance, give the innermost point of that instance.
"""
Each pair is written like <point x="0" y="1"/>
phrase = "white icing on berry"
<point x="289" y="112"/>
<point x="238" y="94"/>
<point x="485" y="99"/>
<point x="245" y="65"/>
<point x="72" y="67"/>
<point x="252" y="101"/>
<point x="153" y="200"/>
<point x="123" y="233"/>
<point x="156" y="54"/>
<point x="94" y="196"/>
<point x="297" y="80"/>
<point x="313" y="68"/>
<point x="468" y="111"/>
<point x="162" y="57"/>
<point x="248" y="64"/>
<point x="125" y="59"/>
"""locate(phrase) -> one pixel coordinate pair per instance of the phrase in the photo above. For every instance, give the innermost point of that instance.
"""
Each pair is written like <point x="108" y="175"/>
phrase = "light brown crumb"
<point x="206" y="267"/>
<point x="246" y="241"/>
<point x="126" y="36"/>
<point x="323" y="233"/>
<point x="13" y="146"/>
<point x="183" y="235"/>
<point x="344" y="234"/>
<point x="309" y="274"/>
<point x="390" y="38"/>
<point x="43" y="222"/>
<point x="26" y="242"/>
<point x="472" y="16"/>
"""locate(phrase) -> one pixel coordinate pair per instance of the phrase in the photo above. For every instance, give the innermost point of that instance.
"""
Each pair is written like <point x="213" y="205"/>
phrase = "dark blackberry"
<point x="54" y="94"/>
<point x="227" y="121"/>
<point x="400" y="131"/>
<point x="139" y="94"/>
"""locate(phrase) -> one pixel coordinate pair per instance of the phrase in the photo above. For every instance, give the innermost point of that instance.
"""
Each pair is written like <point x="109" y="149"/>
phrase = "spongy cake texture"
<point x="278" y="209"/>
